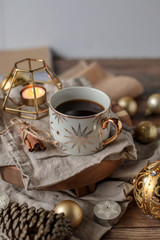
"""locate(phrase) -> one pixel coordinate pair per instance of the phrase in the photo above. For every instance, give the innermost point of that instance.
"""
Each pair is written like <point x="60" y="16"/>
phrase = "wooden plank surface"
<point x="134" y="234"/>
<point x="134" y="224"/>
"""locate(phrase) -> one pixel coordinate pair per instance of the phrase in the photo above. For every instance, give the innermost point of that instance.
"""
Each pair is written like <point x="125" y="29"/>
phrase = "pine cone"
<point x="23" y="222"/>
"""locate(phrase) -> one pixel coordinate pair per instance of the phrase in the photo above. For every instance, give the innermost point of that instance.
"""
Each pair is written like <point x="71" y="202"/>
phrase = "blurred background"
<point x="83" y="29"/>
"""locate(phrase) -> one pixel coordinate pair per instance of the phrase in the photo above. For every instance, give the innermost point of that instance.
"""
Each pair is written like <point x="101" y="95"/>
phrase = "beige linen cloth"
<point x="49" y="167"/>
<point x="45" y="168"/>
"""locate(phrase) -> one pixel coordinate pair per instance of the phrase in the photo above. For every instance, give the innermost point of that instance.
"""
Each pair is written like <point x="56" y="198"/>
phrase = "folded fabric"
<point x="89" y="229"/>
<point x="116" y="190"/>
<point x="50" y="167"/>
<point x="115" y="86"/>
<point x="35" y="171"/>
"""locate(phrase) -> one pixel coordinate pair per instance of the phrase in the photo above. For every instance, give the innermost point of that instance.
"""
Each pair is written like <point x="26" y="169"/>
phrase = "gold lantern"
<point x="33" y="103"/>
<point x="147" y="189"/>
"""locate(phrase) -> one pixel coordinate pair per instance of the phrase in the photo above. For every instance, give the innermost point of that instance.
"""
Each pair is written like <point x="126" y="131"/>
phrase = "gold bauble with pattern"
<point x="129" y="104"/>
<point x="71" y="210"/>
<point x="146" y="132"/>
<point x="153" y="104"/>
<point x="147" y="189"/>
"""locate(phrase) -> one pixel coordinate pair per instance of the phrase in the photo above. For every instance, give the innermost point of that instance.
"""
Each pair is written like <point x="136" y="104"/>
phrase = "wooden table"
<point x="134" y="224"/>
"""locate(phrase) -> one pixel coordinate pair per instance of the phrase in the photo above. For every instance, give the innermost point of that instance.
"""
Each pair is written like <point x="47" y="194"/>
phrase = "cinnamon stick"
<point x="32" y="143"/>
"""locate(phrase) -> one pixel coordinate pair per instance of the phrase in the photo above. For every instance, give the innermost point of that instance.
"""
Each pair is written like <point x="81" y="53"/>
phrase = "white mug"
<point x="82" y="135"/>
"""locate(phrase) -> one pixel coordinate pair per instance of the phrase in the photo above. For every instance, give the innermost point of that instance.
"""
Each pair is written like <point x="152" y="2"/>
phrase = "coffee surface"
<point x="79" y="108"/>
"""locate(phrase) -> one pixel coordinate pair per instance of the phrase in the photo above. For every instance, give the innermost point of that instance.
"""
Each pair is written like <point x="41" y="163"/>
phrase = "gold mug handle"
<point x="117" y="124"/>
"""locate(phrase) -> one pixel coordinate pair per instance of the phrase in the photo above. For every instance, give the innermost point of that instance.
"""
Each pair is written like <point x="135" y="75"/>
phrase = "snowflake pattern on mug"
<point x="51" y="127"/>
<point x="79" y="138"/>
<point x="59" y="117"/>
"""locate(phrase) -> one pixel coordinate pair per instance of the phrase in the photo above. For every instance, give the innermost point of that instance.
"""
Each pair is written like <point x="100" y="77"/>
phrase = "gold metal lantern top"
<point x="33" y="103"/>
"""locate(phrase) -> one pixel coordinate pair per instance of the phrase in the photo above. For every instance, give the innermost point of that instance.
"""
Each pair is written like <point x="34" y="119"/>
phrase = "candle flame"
<point x="28" y="93"/>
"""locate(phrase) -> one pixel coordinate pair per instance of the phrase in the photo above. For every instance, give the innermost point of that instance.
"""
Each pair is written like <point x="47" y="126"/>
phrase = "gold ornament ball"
<point x="153" y="104"/>
<point x="147" y="189"/>
<point x="21" y="78"/>
<point x="71" y="210"/>
<point x="146" y="132"/>
<point x="129" y="104"/>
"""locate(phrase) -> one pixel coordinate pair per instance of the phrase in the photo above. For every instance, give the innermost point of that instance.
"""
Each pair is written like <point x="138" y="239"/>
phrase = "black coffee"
<point x="79" y="108"/>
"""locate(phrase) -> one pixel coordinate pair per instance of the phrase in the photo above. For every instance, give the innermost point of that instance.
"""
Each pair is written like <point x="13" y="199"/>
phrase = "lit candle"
<point x="107" y="213"/>
<point x="29" y="98"/>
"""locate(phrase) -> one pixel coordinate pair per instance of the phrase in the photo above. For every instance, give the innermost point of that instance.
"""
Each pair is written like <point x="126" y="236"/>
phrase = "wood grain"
<point x="134" y="234"/>
<point x="131" y="220"/>
<point x="89" y="176"/>
<point x="134" y="225"/>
